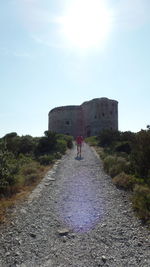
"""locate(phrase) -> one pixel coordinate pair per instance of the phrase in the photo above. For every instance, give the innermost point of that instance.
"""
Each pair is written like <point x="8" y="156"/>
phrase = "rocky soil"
<point x="75" y="217"/>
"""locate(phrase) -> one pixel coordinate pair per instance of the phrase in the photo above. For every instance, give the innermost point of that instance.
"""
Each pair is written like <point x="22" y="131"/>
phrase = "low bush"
<point x="24" y="159"/>
<point x="57" y="155"/>
<point x="141" y="202"/>
<point x="8" y="169"/>
<point x="140" y="156"/>
<point x="92" y="141"/>
<point x="114" y="165"/>
<point x="28" y="174"/>
<point x="107" y="137"/>
<point x="67" y="138"/>
<point x="61" y="146"/>
<point x="109" y="161"/>
<point x="46" y="159"/>
<point x="124" y="181"/>
<point x="123" y="147"/>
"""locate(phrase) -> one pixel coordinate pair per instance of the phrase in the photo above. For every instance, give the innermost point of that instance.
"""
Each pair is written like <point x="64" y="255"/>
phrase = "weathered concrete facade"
<point x="87" y="119"/>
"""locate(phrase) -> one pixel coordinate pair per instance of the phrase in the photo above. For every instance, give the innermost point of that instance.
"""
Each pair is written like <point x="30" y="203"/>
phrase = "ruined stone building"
<point x="87" y="119"/>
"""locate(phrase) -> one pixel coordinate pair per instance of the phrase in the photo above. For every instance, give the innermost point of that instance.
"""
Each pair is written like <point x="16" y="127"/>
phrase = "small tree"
<point x="107" y="137"/>
<point x="46" y="144"/>
<point x="26" y="145"/>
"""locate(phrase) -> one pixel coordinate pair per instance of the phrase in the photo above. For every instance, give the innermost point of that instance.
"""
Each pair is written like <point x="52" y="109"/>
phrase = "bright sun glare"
<point x="87" y="23"/>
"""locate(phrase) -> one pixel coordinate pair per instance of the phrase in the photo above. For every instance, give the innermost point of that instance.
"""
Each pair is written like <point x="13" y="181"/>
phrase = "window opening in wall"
<point x="67" y="122"/>
<point x="103" y="114"/>
<point x="95" y="117"/>
<point x="67" y="133"/>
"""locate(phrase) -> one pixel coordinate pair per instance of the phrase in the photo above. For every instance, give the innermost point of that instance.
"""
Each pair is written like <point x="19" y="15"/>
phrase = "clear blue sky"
<point x="51" y="55"/>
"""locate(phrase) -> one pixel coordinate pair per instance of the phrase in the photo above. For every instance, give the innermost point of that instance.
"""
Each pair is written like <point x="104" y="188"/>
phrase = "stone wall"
<point x="87" y="119"/>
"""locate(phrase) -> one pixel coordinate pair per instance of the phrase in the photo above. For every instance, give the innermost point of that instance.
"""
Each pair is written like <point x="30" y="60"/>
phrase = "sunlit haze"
<point x="87" y="23"/>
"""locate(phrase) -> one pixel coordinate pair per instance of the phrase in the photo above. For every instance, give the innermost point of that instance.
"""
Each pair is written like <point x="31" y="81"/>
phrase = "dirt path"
<point x="75" y="217"/>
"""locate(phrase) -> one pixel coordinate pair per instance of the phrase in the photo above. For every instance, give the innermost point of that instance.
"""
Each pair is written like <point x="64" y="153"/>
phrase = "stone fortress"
<point x="87" y="119"/>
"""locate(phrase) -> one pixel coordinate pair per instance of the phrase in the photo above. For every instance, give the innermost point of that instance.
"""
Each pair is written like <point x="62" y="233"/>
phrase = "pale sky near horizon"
<point x="65" y="52"/>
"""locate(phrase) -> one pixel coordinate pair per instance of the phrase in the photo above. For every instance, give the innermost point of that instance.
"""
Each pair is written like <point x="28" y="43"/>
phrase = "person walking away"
<point x="79" y="142"/>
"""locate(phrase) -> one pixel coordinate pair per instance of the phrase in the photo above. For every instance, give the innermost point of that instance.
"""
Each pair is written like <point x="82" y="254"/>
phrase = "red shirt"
<point x="79" y="140"/>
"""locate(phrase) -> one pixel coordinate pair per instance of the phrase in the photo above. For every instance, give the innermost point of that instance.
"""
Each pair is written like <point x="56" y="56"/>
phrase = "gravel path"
<point x="75" y="217"/>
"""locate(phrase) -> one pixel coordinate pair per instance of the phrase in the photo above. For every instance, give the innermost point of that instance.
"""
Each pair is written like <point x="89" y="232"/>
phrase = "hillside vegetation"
<point x="25" y="159"/>
<point x="126" y="158"/>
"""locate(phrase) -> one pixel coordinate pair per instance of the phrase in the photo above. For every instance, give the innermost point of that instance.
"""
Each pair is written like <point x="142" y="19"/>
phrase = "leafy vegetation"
<point x="92" y="140"/>
<point x="22" y="158"/>
<point x="126" y="158"/>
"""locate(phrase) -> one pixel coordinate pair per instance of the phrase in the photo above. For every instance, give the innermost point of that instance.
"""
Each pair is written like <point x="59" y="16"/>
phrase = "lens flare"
<point x="80" y="207"/>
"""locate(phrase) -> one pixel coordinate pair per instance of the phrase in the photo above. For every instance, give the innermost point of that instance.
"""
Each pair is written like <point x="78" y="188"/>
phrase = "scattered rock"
<point x="17" y="253"/>
<point x="104" y="259"/>
<point x="7" y="254"/>
<point x="23" y="211"/>
<point x="140" y="244"/>
<point x="103" y="225"/>
<point x="33" y="235"/>
<point x="47" y="184"/>
<point x="63" y="232"/>
<point x="51" y="179"/>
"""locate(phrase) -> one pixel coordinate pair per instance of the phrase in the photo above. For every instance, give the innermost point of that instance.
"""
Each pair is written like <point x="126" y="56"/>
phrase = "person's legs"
<point x="80" y="149"/>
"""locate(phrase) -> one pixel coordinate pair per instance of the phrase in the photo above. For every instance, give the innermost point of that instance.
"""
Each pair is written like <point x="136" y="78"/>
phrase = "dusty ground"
<point x="75" y="217"/>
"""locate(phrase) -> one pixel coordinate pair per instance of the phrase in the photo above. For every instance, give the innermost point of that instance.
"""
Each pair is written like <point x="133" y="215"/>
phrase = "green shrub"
<point x="46" y="144"/>
<point x="141" y="201"/>
<point x="123" y="147"/>
<point x="8" y="169"/>
<point x="57" y="155"/>
<point x="26" y="145"/>
<point x="92" y="141"/>
<point x="124" y="181"/>
<point x="127" y="136"/>
<point x="109" y="161"/>
<point x="102" y="155"/>
<point x="114" y="165"/>
<point x="123" y="164"/>
<point x="11" y="141"/>
<point x="46" y="159"/>
<point x="107" y="137"/>
<point x="67" y="138"/>
<point x="70" y="143"/>
<point x="114" y="170"/>
<point x="24" y="159"/>
<point x="61" y="146"/>
<point x="29" y="173"/>
<point x="140" y="156"/>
